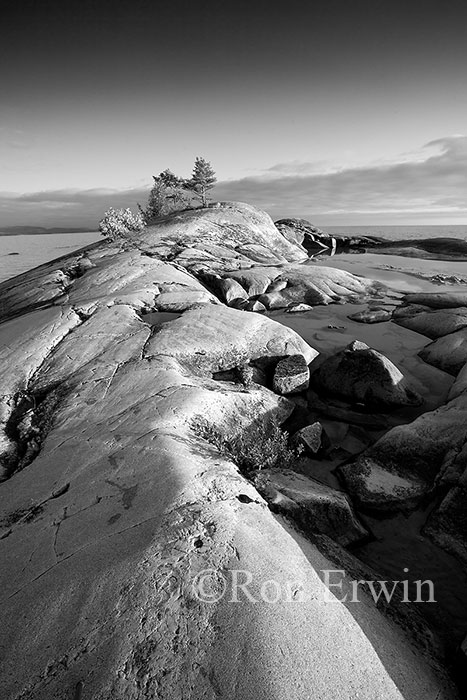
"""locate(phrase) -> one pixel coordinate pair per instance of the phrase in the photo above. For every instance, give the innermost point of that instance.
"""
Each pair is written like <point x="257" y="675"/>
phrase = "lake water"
<point x="398" y="233"/>
<point x="23" y="252"/>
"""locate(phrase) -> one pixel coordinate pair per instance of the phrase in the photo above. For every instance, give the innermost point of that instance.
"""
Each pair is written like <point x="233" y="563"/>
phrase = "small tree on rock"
<point x="202" y="180"/>
<point x="167" y="195"/>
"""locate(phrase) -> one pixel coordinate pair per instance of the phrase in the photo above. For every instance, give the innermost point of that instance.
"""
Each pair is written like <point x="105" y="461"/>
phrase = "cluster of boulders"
<point x="428" y="456"/>
<point x="292" y="287"/>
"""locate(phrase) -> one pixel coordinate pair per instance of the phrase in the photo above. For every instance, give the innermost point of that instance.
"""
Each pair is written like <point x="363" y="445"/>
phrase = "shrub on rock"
<point x="120" y="223"/>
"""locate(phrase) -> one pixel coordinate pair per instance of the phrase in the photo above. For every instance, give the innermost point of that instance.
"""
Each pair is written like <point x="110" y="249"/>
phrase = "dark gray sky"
<point x="318" y="109"/>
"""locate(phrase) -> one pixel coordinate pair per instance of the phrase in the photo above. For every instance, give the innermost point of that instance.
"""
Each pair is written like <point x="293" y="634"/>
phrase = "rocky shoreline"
<point x="112" y="501"/>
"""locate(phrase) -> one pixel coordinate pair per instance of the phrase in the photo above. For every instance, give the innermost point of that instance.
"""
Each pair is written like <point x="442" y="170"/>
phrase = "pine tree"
<point x="202" y="180"/>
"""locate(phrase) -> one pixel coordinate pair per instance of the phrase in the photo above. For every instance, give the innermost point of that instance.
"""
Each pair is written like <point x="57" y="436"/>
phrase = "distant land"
<point x="32" y="230"/>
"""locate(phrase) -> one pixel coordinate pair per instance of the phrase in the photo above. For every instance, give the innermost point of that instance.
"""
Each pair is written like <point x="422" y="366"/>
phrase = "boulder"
<point x="316" y="508"/>
<point x="409" y="310"/>
<point x="299" y="308"/>
<point x="309" y="437"/>
<point x="448" y="353"/>
<point x="291" y="375"/>
<point x="229" y="339"/>
<point x="274" y="300"/>
<point x="255" y="305"/>
<point x="437" y="300"/>
<point x="231" y="290"/>
<point x="407" y="462"/>
<point x="370" y="316"/>
<point x="447" y="524"/>
<point x="375" y="488"/>
<point x="435" y="324"/>
<point x="362" y="375"/>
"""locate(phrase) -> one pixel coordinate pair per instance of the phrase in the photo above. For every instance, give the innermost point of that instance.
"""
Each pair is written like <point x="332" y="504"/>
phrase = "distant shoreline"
<point x="44" y="232"/>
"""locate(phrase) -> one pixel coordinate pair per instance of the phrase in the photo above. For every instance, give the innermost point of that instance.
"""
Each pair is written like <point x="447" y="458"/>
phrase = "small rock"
<point x="299" y="308"/>
<point x="277" y="285"/>
<point x="231" y="291"/>
<point x="291" y="375"/>
<point x="255" y="305"/>
<point x="309" y="437"/>
<point x="274" y="300"/>
<point x="369" y="316"/>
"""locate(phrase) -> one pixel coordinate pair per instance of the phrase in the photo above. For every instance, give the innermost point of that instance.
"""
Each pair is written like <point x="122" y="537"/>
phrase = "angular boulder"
<point x="291" y="375"/>
<point x="374" y="488"/>
<point x="315" y="507"/>
<point x="256" y="306"/>
<point x="363" y="375"/>
<point x="299" y="308"/>
<point x="309" y="437"/>
<point x="408" y="461"/>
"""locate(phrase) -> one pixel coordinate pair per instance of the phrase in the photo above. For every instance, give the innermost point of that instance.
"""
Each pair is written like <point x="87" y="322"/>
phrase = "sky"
<point x="344" y="112"/>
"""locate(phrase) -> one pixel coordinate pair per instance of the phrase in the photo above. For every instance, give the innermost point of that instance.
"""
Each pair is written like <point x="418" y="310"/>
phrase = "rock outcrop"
<point x="123" y="526"/>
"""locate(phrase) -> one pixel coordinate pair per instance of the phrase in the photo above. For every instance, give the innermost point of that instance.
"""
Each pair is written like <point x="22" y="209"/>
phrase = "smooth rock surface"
<point x="448" y="353"/>
<point x="105" y="531"/>
<point x="229" y="338"/>
<point x="370" y="316"/>
<point x="438" y="300"/>
<point x="436" y="324"/>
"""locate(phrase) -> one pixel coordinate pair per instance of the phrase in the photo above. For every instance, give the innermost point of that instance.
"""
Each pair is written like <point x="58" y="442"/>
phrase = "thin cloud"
<point x="433" y="185"/>
<point x="67" y="207"/>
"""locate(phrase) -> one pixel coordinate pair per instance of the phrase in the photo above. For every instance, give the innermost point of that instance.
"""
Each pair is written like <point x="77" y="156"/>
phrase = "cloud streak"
<point x="433" y="184"/>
